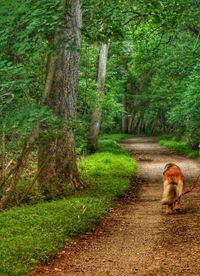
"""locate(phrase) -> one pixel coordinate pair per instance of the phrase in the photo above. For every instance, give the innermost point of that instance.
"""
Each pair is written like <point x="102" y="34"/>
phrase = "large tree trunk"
<point x="96" y="114"/>
<point x="56" y="157"/>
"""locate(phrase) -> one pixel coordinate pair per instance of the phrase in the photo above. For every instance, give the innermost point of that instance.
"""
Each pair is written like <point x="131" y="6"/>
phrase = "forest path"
<point x="137" y="237"/>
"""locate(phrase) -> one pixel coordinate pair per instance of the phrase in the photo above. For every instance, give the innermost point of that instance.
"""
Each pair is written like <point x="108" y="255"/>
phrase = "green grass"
<point x="108" y="143"/>
<point x="115" y="137"/>
<point x="180" y="147"/>
<point x="32" y="234"/>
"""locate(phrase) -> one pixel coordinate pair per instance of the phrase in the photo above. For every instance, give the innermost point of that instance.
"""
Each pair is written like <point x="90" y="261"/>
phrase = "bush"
<point x="179" y="147"/>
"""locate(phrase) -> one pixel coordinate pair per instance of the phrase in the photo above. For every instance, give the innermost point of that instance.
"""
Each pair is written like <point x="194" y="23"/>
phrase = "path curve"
<point x="137" y="237"/>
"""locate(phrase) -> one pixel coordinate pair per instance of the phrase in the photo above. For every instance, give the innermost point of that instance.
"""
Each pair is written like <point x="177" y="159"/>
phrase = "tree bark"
<point x="96" y="114"/>
<point x="56" y="155"/>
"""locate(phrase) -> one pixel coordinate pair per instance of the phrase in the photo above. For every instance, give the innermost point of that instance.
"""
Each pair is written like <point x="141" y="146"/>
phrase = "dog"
<point x="173" y="182"/>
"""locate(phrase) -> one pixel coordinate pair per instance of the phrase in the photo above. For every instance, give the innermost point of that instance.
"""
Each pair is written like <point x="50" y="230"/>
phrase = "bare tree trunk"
<point x="56" y="155"/>
<point x="96" y="114"/>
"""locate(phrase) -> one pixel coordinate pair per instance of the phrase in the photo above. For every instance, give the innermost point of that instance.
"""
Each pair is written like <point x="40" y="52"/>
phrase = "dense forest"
<point x="71" y="71"/>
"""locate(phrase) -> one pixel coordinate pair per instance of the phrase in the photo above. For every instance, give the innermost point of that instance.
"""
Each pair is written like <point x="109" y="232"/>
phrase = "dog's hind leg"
<point x="179" y="191"/>
<point x="170" y="208"/>
<point x="166" y="199"/>
<point x="178" y="205"/>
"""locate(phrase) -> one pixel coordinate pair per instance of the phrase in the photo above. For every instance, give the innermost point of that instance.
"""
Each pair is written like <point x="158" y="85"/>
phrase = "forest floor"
<point x="137" y="237"/>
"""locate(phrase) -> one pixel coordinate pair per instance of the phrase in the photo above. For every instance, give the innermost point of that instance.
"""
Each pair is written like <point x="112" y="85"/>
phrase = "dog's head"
<point x="169" y="165"/>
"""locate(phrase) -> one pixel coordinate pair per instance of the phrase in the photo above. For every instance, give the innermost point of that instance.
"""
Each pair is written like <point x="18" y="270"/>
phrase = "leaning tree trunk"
<point x="96" y="114"/>
<point x="56" y="157"/>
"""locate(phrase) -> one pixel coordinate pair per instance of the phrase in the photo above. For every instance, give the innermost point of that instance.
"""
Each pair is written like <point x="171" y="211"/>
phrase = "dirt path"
<point x="137" y="237"/>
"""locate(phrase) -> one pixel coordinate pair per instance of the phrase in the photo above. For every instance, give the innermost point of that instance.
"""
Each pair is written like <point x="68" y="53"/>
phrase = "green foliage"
<point x="116" y="80"/>
<point x="168" y="102"/>
<point x="109" y="146"/>
<point x="153" y="67"/>
<point x="30" y="235"/>
<point x="186" y="114"/>
<point x="24" y="47"/>
<point x="179" y="147"/>
<point x="116" y="136"/>
<point x="103" y="20"/>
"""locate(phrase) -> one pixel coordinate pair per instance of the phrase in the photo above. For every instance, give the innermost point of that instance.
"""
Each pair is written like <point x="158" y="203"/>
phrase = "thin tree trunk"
<point x="3" y="159"/>
<point x="96" y="114"/>
<point x="140" y="124"/>
<point x="56" y="156"/>
<point x="124" y="117"/>
<point x="18" y="169"/>
<point x="130" y="121"/>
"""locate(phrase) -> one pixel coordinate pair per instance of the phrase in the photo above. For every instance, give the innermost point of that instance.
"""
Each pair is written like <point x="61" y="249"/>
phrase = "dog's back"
<point x="173" y="174"/>
<point x="173" y="180"/>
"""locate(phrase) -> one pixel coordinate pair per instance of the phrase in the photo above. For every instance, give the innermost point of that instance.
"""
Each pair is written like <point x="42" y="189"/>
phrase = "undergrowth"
<point x="180" y="147"/>
<point x="32" y="234"/>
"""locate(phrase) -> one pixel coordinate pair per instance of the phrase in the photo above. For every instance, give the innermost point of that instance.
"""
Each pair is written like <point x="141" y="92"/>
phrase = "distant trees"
<point x="168" y="101"/>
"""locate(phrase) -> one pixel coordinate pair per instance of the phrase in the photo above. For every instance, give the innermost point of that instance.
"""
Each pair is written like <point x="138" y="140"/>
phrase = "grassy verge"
<point x="179" y="147"/>
<point x="115" y="137"/>
<point x="32" y="234"/>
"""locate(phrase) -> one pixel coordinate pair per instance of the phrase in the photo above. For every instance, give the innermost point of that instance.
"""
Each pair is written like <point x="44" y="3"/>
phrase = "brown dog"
<point x="173" y="181"/>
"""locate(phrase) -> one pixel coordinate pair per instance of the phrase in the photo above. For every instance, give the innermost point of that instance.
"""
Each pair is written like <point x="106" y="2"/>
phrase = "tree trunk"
<point x="3" y="159"/>
<point x="96" y="114"/>
<point x="140" y="124"/>
<point x="124" y="117"/>
<point x="130" y="121"/>
<point x="56" y="156"/>
<point x="19" y="167"/>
